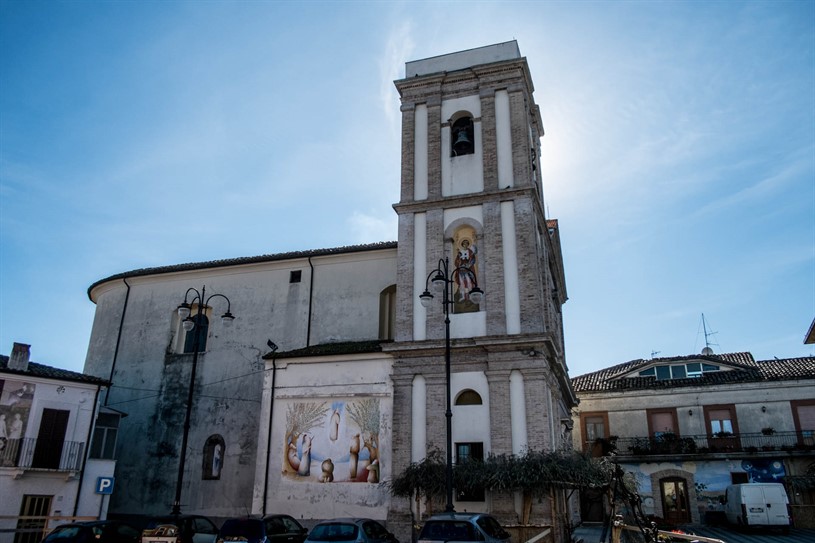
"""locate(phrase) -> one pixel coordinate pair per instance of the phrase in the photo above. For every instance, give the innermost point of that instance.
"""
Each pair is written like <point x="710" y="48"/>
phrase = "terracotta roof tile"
<point x="41" y="370"/>
<point x="746" y="370"/>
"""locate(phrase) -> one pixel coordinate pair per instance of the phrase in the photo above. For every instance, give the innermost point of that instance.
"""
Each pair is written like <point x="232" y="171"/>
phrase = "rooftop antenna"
<point x="708" y="350"/>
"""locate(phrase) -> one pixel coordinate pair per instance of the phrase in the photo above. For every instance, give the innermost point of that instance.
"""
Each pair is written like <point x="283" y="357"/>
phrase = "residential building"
<point x="356" y="390"/>
<point x="688" y="426"/>
<point x="46" y="469"/>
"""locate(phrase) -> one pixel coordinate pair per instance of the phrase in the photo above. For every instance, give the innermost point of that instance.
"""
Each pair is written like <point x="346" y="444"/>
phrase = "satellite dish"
<point x="707" y="351"/>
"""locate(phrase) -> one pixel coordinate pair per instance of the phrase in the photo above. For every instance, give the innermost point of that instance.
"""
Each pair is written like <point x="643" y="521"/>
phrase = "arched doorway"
<point x="674" y="494"/>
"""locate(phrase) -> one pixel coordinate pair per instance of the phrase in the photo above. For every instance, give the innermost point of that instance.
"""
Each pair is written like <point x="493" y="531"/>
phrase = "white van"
<point x="757" y="504"/>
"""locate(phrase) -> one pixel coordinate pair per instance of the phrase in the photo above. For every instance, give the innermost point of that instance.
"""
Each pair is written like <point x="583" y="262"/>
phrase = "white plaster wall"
<point x="512" y="293"/>
<point x="346" y="294"/>
<point x="418" y="419"/>
<point x="420" y="153"/>
<point x="517" y="402"/>
<point x="462" y="174"/>
<point x="471" y="423"/>
<point x="503" y="137"/>
<point x="150" y="385"/>
<point x="345" y="378"/>
<point x="419" y="276"/>
<point x="91" y="503"/>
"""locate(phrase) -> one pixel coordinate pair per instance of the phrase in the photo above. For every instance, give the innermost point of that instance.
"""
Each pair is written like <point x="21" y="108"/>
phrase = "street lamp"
<point x="441" y="281"/>
<point x="188" y="323"/>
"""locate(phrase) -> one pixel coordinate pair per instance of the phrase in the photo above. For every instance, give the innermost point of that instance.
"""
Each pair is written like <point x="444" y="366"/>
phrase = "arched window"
<point x="214" y="450"/>
<point x="469" y="397"/>
<point x="387" y="312"/>
<point x="200" y="329"/>
<point x="462" y="137"/>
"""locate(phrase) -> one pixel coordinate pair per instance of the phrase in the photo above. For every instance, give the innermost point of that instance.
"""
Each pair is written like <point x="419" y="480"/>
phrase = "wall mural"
<point x="15" y="407"/>
<point x="710" y="478"/>
<point x="465" y="276"/>
<point x="333" y="442"/>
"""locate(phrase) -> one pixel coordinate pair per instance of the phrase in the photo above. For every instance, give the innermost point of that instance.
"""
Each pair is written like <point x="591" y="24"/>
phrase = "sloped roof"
<point x="245" y="260"/>
<point x="744" y="370"/>
<point x="41" y="370"/>
<point x="331" y="349"/>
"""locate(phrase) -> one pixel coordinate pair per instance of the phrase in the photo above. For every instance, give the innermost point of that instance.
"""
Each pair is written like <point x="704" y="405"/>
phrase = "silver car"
<point x="350" y="530"/>
<point x="450" y="527"/>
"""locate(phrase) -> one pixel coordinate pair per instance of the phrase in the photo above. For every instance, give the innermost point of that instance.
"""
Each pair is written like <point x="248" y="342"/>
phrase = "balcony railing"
<point x="670" y="444"/>
<point x="42" y="454"/>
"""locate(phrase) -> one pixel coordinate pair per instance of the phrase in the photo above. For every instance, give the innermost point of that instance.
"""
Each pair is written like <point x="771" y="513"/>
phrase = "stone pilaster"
<point x="492" y="272"/>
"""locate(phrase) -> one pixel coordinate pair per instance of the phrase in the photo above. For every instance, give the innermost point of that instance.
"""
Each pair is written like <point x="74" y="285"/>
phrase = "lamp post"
<point x="188" y="323"/>
<point x="441" y="281"/>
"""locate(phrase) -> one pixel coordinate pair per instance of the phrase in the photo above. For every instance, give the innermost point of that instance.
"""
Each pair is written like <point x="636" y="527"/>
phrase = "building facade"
<point x="47" y="417"/>
<point x="332" y="378"/>
<point x="687" y="427"/>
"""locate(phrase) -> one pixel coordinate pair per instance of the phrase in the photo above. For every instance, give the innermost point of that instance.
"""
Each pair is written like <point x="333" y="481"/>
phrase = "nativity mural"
<point x="333" y="442"/>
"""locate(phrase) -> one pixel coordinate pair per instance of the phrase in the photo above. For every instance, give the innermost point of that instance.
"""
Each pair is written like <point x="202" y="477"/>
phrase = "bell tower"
<point x="472" y="197"/>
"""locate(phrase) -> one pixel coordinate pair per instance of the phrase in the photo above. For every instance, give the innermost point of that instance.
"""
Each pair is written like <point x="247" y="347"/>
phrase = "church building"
<point x="332" y="377"/>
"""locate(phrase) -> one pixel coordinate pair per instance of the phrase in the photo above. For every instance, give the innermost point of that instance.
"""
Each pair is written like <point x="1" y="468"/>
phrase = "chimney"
<point x="19" y="357"/>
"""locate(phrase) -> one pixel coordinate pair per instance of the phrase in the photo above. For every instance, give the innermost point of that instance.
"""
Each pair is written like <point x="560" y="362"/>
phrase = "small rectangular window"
<point x="105" y="434"/>
<point x="739" y="477"/>
<point x="295" y="276"/>
<point x="678" y="372"/>
<point x="470" y="452"/>
<point x="709" y="367"/>
<point x="649" y="371"/>
<point x="663" y="372"/>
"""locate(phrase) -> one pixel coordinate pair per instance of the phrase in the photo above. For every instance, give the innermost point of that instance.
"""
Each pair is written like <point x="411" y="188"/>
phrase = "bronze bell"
<point x="463" y="143"/>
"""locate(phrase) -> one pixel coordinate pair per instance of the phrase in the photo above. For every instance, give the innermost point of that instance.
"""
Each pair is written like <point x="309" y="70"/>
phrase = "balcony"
<point x="724" y="443"/>
<point x="42" y="454"/>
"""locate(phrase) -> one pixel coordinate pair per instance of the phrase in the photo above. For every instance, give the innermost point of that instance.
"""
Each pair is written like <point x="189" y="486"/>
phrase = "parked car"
<point x="350" y="530"/>
<point x="94" y="531"/>
<point x="757" y="504"/>
<point x="450" y="527"/>
<point x="269" y="529"/>
<point x="179" y="529"/>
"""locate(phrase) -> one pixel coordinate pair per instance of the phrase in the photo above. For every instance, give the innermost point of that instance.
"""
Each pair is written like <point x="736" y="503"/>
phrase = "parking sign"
<point x="104" y="485"/>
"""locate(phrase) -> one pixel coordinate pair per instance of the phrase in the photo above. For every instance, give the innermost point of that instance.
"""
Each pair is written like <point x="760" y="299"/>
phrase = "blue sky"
<point x="679" y="154"/>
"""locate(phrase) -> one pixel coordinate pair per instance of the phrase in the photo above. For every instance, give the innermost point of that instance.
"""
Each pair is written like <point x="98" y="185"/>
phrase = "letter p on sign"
<point x="104" y="485"/>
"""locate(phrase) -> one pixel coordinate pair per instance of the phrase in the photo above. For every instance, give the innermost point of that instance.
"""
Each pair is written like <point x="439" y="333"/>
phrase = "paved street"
<point x="729" y="535"/>
<point x="591" y="533"/>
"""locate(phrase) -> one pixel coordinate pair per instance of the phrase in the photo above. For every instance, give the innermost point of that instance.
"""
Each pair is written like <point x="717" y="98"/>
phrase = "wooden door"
<point x="674" y="494"/>
<point x="51" y="439"/>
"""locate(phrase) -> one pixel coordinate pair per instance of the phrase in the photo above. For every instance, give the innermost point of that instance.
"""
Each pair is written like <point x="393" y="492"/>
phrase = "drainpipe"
<point x="118" y="340"/>
<point x="269" y="435"/>
<point x="87" y="454"/>
<point x="310" y="300"/>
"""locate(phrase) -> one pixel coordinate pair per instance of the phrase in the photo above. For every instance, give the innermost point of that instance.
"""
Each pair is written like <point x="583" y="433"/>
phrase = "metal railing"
<point x="42" y="454"/>
<point x="672" y="444"/>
